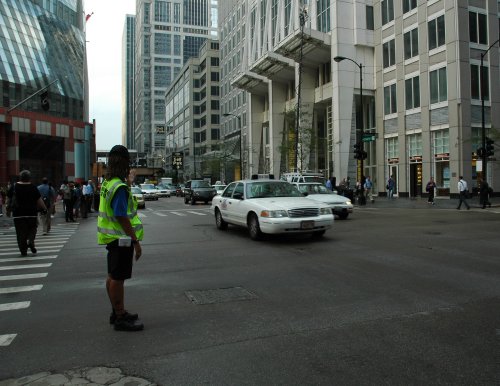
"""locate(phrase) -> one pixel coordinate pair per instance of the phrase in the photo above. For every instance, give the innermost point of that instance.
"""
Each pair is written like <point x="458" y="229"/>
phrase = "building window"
<point x="392" y="147"/>
<point x="370" y="21"/>
<point x="478" y="28"/>
<point x="412" y="90"/>
<point x="389" y="53"/>
<point x="475" y="80"/>
<point x="323" y="20"/>
<point x="410" y="39"/>
<point x="390" y="101"/>
<point x="408" y="5"/>
<point x="415" y="145"/>
<point x="436" y="32"/>
<point x="441" y="140"/>
<point x="438" y="85"/>
<point x="387" y="11"/>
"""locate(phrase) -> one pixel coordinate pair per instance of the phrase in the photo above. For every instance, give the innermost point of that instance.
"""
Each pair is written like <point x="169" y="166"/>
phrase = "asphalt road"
<point x="394" y="296"/>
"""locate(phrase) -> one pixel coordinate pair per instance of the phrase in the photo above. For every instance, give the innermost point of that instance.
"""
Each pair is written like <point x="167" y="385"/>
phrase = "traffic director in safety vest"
<point x="120" y="229"/>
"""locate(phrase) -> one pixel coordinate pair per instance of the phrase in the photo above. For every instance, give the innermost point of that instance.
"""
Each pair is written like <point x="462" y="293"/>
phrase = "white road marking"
<point x="23" y="277"/>
<point x="198" y="213"/>
<point x="179" y="214"/>
<point x="14" y="306"/>
<point x="161" y="214"/>
<point x="27" y="266"/>
<point x="31" y="258"/>
<point x="26" y="288"/>
<point x="7" y="339"/>
<point x="45" y="251"/>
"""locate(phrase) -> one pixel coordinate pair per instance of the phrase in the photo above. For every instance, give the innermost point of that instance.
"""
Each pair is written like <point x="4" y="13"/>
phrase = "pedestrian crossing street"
<point x="21" y="276"/>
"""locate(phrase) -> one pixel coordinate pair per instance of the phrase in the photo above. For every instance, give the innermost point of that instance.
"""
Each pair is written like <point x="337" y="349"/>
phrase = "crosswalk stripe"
<point x="45" y="251"/>
<point x="198" y="213"/>
<point x="179" y="214"/>
<point x="7" y="339"/>
<point x="30" y="258"/>
<point x="161" y="214"/>
<point x="23" y="277"/>
<point x="14" y="306"/>
<point x="27" y="266"/>
<point x="26" y="288"/>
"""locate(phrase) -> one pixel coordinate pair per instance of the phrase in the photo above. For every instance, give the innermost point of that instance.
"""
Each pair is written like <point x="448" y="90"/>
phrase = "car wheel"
<point x="185" y="200"/>
<point x="219" y="221"/>
<point x="343" y="216"/>
<point x="206" y="202"/>
<point x="318" y="235"/>
<point x="192" y="200"/>
<point x="254" y="228"/>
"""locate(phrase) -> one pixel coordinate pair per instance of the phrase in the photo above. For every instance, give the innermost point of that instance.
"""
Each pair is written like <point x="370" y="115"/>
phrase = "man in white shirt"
<point x="462" y="191"/>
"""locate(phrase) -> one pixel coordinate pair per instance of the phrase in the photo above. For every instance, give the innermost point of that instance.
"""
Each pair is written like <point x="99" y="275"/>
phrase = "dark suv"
<point x="198" y="190"/>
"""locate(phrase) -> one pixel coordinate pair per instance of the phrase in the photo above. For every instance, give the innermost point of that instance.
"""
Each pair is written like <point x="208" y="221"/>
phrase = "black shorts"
<point x="119" y="261"/>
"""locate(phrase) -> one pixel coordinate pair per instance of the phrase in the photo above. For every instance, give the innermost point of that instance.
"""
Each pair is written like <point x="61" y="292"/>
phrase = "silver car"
<point x="340" y="205"/>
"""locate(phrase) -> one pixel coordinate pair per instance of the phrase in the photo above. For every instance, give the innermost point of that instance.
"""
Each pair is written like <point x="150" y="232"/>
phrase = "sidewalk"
<point x="99" y="376"/>
<point x="421" y="203"/>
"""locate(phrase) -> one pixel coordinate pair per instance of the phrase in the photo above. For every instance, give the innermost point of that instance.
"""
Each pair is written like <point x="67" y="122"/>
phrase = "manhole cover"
<point x="220" y="295"/>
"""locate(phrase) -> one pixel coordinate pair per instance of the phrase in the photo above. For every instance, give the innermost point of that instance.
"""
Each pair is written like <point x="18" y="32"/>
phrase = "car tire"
<point x="206" y="202"/>
<point x="185" y="200"/>
<point x="254" y="228"/>
<point x="318" y="234"/>
<point x="193" y="201"/>
<point x="219" y="221"/>
<point x="343" y="216"/>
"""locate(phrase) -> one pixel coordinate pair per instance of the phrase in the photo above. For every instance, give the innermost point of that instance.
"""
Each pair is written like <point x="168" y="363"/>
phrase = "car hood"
<point x="285" y="203"/>
<point x="149" y="191"/>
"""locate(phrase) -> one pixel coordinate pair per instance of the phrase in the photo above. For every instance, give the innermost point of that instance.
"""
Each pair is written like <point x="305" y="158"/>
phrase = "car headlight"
<point x="348" y="202"/>
<point x="274" y="213"/>
<point x="323" y="211"/>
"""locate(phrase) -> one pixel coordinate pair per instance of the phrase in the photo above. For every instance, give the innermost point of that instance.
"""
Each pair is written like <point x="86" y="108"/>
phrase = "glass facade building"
<point x="42" y="56"/>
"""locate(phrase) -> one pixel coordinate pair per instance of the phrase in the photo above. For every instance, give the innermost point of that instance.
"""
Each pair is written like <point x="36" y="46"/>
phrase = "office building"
<point x="128" y="68"/>
<point x="44" y="110"/>
<point x="168" y="33"/>
<point x="195" y="148"/>
<point x="401" y="78"/>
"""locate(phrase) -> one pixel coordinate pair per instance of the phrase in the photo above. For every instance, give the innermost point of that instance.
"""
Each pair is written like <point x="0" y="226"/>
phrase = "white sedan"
<point x="270" y="206"/>
<point x="340" y="205"/>
<point x="149" y="191"/>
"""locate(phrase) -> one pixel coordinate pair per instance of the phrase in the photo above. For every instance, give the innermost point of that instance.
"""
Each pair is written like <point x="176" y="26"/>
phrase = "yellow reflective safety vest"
<point x="108" y="227"/>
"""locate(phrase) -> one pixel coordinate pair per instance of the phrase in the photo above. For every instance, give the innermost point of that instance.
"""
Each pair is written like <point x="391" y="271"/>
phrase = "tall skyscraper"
<point x="44" y="110"/>
<point x="128" y="68"/>
<point x="168" y="33"/>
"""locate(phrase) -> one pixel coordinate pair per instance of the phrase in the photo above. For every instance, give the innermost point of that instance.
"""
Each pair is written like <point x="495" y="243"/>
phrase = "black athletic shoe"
<point x="113" y="317"/>
<point x="124" y="324"/>
<point x="32" y="247"/>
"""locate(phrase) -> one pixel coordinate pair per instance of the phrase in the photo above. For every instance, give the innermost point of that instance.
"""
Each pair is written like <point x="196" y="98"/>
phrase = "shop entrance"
<point x="415" y="179"/>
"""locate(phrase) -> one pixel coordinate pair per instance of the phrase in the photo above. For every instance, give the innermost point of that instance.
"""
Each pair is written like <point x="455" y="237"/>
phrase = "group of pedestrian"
<point x="77" y="200"/>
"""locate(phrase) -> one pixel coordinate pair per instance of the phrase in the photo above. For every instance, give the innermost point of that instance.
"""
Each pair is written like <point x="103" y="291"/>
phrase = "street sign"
<point x="369" y="137"/>
<point x="177" y="160"/>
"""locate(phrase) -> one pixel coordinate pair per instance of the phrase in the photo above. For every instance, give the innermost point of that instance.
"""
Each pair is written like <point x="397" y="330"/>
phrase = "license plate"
<point x="307" y="225"/>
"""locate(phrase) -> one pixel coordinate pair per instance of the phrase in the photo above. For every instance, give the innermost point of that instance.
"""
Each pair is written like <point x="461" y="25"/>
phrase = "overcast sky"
<point x="104" y="58"/>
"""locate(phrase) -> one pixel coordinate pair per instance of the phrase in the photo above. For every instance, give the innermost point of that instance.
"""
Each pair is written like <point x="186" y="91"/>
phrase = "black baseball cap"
<point x="119" y="150"/>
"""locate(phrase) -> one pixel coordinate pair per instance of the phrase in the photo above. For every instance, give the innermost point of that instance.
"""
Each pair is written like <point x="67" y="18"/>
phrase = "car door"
<point x="225" y="205"/>
<point x="238" y="208"/>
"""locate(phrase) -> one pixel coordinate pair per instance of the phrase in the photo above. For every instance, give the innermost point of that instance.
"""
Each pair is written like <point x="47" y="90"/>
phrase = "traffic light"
<point x="489" y="147"/>
<point x="357" y="150"/>
<point x="44" y="101"/>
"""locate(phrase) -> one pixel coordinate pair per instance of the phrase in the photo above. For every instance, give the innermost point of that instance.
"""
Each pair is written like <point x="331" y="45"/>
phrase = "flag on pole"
<point x="88" y="16"/>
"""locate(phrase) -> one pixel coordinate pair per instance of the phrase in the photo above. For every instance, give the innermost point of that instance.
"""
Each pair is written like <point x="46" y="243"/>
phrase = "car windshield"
<point x="147" y="186"/>
<point x="262" y="189"/>
<point x="219" y="187"/>
<point x="135" y="190"/>
<point x="314" y="189"/>
<point x="200" y="184"/>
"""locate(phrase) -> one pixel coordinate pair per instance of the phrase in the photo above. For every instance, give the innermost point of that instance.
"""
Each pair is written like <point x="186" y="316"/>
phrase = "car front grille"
<point x="303" y="212"/>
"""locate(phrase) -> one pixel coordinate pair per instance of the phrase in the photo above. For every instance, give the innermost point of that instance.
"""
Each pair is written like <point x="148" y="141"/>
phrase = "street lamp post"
<point x="360" y="131"/>
<point x="239" y="127"/>
<point x="483" y="152"/>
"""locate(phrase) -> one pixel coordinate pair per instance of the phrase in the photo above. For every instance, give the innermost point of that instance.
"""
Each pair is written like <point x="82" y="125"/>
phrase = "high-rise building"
<point x="168" y="33"/>
<point x="44" y="110"/>
<point x="403" y="80"/>
<point x="128" y="68"/>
